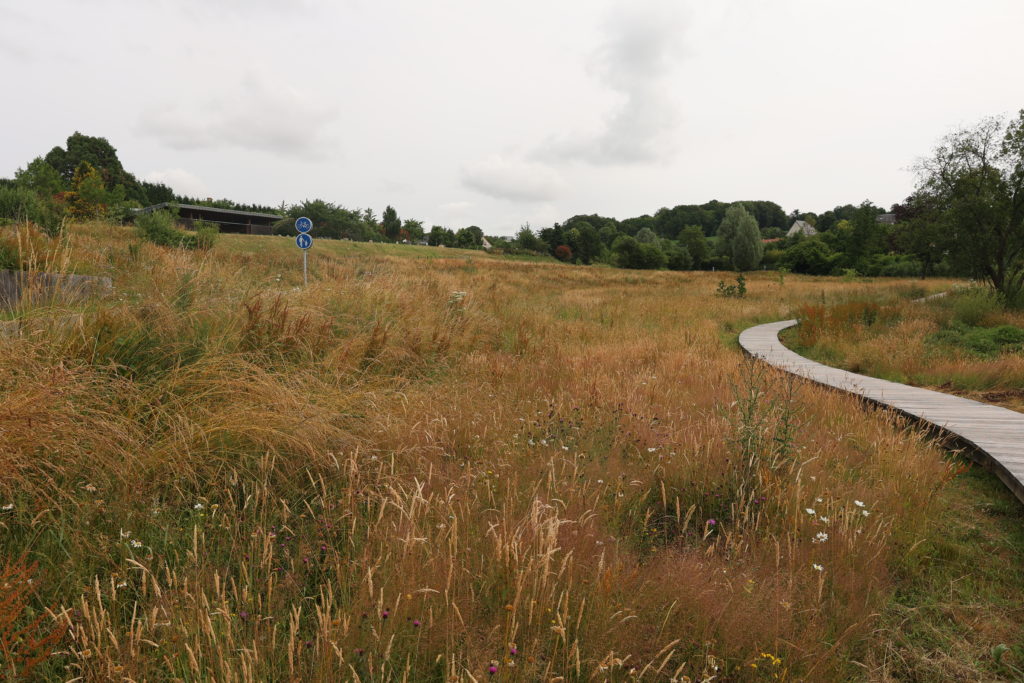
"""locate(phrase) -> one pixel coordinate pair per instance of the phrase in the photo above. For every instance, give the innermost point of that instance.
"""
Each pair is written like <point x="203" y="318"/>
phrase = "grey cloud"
<point x="513" y="179"/>
<point x="644" y="38"/>
<point x="252" y="115"/>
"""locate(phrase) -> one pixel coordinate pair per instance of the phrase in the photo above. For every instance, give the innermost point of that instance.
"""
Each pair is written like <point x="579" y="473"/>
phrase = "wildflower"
<point x="712" y="522"/>
<point x="513" y="650"/>
<point x="859" y="503"/>
<point x="865" y="513"/>
<point x="90" y="488"/>
<point x="600" y="481"/>
<point x="123" y="584"/>
<point x="197" y="506"/>
<point x="820" y="537"/>
<point x="492" y="669"/>
<point x="817" y="567"/>
<point x="415" y="623"/>
<point x="385" y="614"/>
<point x="824" y="519"/>
<point x="135" y="544"/>
<point x="651" y="450"/>
<point x="124" y="534"/>
<point x="810" y="511"/>
<point x="818" y="500"/>
<point x="9" y="506"/>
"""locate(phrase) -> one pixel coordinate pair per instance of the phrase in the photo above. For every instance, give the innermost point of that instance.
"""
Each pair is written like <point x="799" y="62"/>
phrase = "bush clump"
<point x="160" y="227"/>
<point x="20" y="204"/>
<point x="973" y="306"/>
<point x="981" y="341"/>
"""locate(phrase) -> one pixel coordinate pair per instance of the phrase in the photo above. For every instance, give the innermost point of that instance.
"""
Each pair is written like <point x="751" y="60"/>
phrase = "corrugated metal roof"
<point x="233" y="212"/>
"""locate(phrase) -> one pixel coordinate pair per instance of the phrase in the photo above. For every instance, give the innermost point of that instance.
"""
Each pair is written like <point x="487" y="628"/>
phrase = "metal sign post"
<point x="304" y="241"/>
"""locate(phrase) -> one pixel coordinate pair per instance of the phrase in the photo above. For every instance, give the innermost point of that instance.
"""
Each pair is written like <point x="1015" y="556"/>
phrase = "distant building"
<point x="229" y="220"/>
<point x="801" y="228"/>
<point x="887" y="218"/>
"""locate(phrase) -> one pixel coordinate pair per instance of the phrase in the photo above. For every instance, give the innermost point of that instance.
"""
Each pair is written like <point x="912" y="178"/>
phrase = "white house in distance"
<point x="801" y="228"/>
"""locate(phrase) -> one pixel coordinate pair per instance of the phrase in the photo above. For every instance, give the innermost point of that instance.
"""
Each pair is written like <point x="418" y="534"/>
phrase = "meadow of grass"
<point x="452" y="468"/>
<point x="964" y="343"/>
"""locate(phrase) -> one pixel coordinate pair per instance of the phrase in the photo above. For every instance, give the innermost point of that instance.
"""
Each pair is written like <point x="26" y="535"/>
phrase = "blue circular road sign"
<point x="303" y="225"/>
<point x="303" y="241"/>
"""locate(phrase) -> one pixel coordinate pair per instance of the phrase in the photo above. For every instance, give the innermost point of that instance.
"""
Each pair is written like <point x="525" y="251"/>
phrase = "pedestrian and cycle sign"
<point x="304" y="241"/>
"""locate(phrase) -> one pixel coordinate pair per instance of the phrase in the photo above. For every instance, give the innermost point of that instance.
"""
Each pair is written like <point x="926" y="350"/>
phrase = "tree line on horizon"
<point x="965" y="218"/>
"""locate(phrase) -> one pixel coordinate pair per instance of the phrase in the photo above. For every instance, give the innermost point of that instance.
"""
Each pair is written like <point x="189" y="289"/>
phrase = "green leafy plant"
<point x="160" y="227"/>
<point x="736" y="291"/>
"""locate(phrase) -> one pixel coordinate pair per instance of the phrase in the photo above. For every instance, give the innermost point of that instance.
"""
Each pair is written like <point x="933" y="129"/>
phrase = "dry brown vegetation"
<point x="911" y="342"/>
<point x="563" y="474"/>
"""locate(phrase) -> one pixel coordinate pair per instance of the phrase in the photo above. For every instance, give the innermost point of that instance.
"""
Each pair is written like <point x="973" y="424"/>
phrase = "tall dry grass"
<point x="898" y="340"/>
<point x="564" y="474"/>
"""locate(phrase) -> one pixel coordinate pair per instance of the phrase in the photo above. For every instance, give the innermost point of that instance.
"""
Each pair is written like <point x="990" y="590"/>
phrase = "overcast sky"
<point x="496" y="113"/>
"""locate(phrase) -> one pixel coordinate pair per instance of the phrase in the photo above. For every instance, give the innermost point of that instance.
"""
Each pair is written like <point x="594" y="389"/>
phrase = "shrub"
<point x="974" y="305"/>
<point x="981" y="341"/>
<point x="206" y="234"/>
<point x="736" y="291"/>
<point x="1004" y="335"/>
<point x="22" y="204"/>
<point x="160" y="227"/>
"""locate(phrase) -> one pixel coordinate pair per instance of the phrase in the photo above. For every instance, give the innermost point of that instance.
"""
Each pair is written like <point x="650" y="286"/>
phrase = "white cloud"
<point x="178" y="179"/>
<point x="279" y="120"/>
<point x="643" y="40"/>
<point x="513" y="179"/>
<point x="455" y="207"/>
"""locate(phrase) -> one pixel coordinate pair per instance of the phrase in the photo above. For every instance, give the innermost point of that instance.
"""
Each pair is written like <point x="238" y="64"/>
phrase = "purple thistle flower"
<point x="712" y="522"/>
<point x="415" y="623"/>
<point x="492" y="669"/>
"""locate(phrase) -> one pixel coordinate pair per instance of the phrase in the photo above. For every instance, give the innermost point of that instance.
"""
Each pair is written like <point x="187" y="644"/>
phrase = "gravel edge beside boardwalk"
<point x="995" y="435"/>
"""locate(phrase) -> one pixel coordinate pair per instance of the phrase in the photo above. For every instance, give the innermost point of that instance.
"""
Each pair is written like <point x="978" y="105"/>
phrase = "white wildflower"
<point x="123" y="584"/>
<point x="865" y="513"/>
<point x="824" y="519"/>
<point x="820" y="537"/>
<point x="810" y="511"/>
<point x="135" y="544"/>
<point x="651" y="450"/>
<point x="817" y="567"/>
<point x="818" y="500"/>
<point x="197" y="506"/>
<point x="859" y="503"/>
<point x="9" y="506"/>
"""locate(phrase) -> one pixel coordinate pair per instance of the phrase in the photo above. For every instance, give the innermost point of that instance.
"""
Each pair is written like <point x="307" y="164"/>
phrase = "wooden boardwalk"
<point x="994" y="435"/>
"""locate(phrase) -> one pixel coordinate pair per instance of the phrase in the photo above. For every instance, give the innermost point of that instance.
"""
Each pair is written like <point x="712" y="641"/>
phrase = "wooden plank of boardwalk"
<point x="994" y="435"/>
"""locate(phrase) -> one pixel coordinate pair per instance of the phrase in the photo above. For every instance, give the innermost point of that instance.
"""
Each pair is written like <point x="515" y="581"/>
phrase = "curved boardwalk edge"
<point x="994" y="434"/>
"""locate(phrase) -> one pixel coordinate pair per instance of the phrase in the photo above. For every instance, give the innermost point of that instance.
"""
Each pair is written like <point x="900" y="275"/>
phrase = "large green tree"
<point x="692" y="237"/>
<point x="41" y="178"/>
<point x="739" y="238"/>
<point x="391" y="223"/>
<point x="975" y="177"/>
